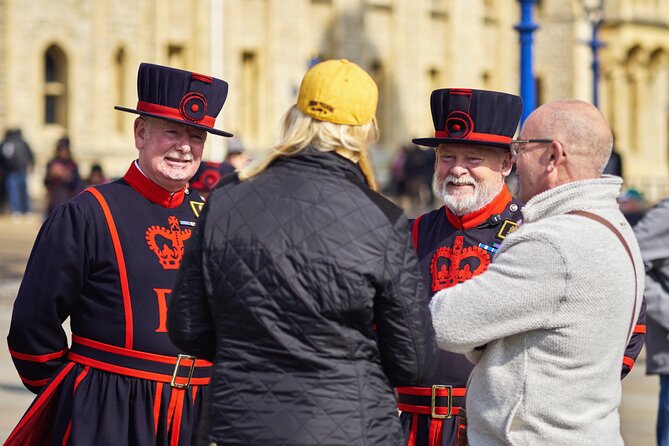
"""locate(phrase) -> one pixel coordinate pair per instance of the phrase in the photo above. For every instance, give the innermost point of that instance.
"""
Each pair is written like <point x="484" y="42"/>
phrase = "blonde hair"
<point x="300" y="131"/>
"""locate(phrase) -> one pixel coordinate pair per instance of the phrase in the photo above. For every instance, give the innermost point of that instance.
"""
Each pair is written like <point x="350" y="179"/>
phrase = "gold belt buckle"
<point x="433" y="401"/>
<point x="174" y="382"/>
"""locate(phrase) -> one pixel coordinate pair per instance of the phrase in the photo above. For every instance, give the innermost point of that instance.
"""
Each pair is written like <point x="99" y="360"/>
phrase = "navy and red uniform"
<point x="107" y="260"/>
<point x="451" y="250"/>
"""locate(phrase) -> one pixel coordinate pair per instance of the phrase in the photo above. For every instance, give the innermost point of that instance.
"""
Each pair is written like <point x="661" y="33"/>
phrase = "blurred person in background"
<point x="62" y="180"/>
<point x="652" y="233"/>
<point x="633" y="205"/>
<point x="16" y="159"/>
<point x="107" y="259"/>
<point x="96" y="175"/>
<point x="235" y="159"/>
<point x="302" y="285"/>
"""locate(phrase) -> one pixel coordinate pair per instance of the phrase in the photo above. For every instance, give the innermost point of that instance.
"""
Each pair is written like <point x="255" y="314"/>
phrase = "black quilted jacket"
<point x="302" y="286"/>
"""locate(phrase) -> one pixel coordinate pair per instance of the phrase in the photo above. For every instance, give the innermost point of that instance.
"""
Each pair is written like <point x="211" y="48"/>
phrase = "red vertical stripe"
<point x="414" y="232"/>
<point x="123" y="276"/>
<point x="434" y="438"/>
<point x="80" y="378"/>
<point x="178" y="413"/>
<point x="414" y="430"/>
<point x="156" y="406"/>
<point x="171" y="407"/>
<point x="194" y="393"/>
<point x="67" y="434"/>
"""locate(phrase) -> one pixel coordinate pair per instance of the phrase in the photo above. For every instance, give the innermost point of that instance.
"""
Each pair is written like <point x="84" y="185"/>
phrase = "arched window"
<point x="55" y="86"/>
<point x="635" y="82"/>
<point x="250" y="100"/>
<point x="120" y="88"/>
<point x="383" y="108"/>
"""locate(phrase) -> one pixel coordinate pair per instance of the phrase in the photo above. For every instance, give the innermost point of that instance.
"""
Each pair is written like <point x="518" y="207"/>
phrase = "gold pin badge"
<point x="196" y="206"/>
<point x="507" y="228"/>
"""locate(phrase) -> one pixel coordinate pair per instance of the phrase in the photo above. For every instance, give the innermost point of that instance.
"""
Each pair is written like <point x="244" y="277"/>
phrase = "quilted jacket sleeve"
<point x="404" y="325"/>
<point x="189" y="322"/>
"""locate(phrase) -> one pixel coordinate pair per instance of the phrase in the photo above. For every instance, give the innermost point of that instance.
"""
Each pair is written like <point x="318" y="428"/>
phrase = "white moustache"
<point x="180" y="156"/>
<point x="450" y="179"/>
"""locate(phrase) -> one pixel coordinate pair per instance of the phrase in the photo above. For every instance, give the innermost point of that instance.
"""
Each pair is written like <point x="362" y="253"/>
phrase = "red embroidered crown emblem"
<point x="450" y="266"/>
<point x="170" y="255"/>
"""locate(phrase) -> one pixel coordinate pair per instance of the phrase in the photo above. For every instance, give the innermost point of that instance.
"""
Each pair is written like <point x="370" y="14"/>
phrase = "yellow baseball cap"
<point x="338" y="91"/>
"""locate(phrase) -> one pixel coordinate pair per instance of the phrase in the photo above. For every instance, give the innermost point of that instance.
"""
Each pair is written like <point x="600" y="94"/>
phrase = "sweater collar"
<point x="473" y="219"/>
<point x="584" y="195"/>
<point x="150" y="190"/>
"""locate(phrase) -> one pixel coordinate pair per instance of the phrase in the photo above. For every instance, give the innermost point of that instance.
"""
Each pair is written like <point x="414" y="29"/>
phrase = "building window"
<point x="250" y="101"/>
<point x="55" y="86"/>
<point x="383" y="110"/>
<point x="176" y="56"/>
<point x="539" y="93"/>
<point x="120" y="88"/>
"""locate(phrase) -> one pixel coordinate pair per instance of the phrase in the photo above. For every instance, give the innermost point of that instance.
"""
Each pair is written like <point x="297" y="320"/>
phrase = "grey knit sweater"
<point x="553" y="312"/>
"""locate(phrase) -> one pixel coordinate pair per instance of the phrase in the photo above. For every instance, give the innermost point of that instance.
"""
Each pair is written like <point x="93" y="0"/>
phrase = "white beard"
<point x="462" y="204"/>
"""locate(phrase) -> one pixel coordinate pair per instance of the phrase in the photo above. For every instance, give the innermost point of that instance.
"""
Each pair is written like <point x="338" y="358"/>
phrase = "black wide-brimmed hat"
<point x="180" y="96"/>
<point x="479" y="117"/>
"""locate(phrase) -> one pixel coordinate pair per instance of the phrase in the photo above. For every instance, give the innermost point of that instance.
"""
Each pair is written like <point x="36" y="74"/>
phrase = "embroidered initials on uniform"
<point x="450" y="266"/>
<point x="168" y="256"/>
<point x="161" y="294"/>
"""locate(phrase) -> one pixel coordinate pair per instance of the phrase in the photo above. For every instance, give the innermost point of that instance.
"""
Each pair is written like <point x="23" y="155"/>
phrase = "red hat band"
<point x="176" y="113"/>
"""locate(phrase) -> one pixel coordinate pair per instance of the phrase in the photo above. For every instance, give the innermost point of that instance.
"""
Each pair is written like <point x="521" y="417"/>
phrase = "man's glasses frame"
<point x="518" y="145"/>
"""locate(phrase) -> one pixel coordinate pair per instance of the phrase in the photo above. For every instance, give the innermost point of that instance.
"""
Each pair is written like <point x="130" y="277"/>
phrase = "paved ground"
<point x="639" y="391"/>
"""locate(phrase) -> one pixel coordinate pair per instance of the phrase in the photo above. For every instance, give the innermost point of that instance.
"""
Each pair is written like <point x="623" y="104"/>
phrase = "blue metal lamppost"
<point x="525" y="29"/>
<point x="594" y="9"/>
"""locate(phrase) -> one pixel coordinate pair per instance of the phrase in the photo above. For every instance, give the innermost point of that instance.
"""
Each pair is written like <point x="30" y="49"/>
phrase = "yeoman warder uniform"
<point x="107" y="259"/>
<point x="452" y="249"/>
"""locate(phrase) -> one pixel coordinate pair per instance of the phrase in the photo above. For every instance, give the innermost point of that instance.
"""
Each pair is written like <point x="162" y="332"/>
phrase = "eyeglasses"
<point x="518" y="145"/>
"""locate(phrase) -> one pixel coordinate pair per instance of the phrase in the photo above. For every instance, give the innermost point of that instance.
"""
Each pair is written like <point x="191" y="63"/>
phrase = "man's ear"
<point x="507" y="163"/>
<point x="141" y="133"/>
<point x="556" y="155"/>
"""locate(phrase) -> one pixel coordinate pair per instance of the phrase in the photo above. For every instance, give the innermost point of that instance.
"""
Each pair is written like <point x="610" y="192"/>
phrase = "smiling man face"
<point x="169" y="152"/>
<point x="468" y="177"/>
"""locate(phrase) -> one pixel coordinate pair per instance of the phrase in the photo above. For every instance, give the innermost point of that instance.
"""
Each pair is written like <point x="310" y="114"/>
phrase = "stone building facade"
<point x="64" y="65"/>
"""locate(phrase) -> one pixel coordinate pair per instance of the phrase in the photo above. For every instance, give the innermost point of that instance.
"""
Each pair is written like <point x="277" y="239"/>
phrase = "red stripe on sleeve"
<point x="34" y="382"/>
<point x="38" y="358"/>
<point x="629" y="362"/>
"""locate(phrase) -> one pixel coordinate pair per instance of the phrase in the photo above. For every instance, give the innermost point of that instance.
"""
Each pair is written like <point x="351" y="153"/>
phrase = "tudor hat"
<point x="338" y="91"/>
<point x="477" y="117"/>
<point x="180" y="96"/>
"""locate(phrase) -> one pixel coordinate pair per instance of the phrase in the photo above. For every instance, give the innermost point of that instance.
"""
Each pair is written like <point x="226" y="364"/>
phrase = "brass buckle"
<point x="174" y="382"/>
<point x="448" y="414"/>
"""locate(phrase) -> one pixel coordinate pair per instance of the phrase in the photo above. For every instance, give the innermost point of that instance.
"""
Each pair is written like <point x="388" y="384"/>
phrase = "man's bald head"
<point x="583" y="131"/>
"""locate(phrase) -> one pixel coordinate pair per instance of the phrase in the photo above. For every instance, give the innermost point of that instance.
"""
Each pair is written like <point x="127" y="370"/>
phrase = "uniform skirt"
<point x="85" y="406"/>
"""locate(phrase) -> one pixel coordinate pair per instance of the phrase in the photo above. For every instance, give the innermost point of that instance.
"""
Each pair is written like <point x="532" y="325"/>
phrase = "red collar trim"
<point x="154" y="193"/>
<point x="468" y="221"/>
